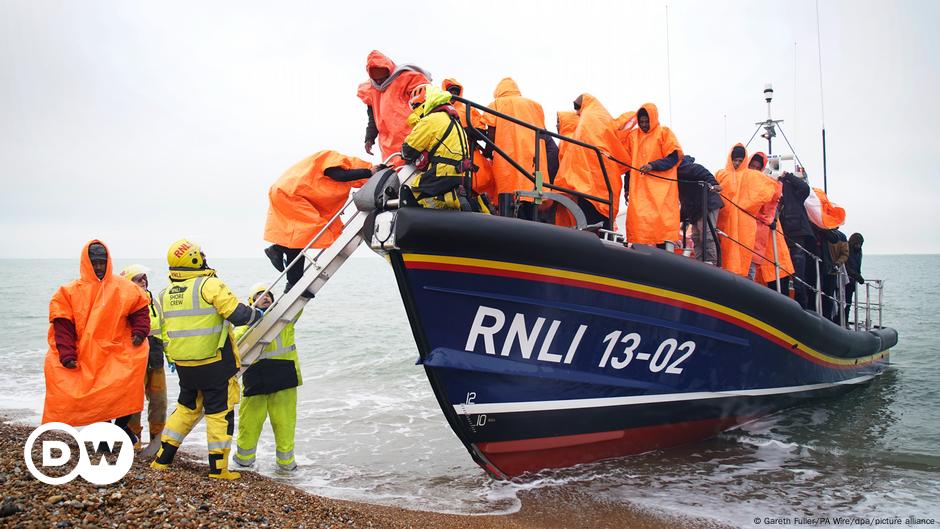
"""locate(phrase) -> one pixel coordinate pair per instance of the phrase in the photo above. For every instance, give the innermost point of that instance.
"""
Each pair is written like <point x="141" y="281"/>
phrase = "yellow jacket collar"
<point x="182" y="274"/>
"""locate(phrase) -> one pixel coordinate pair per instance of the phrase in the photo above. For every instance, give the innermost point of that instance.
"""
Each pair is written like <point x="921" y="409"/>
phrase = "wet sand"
<point x="184" y="497"/>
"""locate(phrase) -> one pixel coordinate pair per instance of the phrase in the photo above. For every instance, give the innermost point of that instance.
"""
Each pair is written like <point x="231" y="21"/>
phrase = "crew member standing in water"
<point x="270" y="391"/>
<point x="199" y="340"/>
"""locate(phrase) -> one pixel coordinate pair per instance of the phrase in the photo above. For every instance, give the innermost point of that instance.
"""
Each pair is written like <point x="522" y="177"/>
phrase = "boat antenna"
<point x="669" y="70"/>
<point x="822" y="105"/>
<point x="794" y="87"/>
<point x="770" y="125"/>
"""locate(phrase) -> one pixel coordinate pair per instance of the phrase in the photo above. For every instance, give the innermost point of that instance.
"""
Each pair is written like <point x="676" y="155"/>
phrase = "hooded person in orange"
<point x="303" y="200"/>
<point x="483" y="174"/>
<point x="653" y="199"/>
<point x="386" y="95"/>
<point x="764" y="262"/>
<point x="580" y="169"/>
<point x="518" y="142"/>
<point x="745" y="191"/>
<point x="97" y="346"/>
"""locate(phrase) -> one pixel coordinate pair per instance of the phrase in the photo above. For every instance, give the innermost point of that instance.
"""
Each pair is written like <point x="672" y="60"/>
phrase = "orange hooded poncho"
<point x="580" y="169"/>
<point x="518" y="142"/>
<point x="762" y="243"/>
<point x="653" y="209"/>
<point x="389" y="100"/>
<point x="748" y="190"/>
<point x="304" y="199"/>
<point x="108" y="381"/>
<point x="483" y="176"/>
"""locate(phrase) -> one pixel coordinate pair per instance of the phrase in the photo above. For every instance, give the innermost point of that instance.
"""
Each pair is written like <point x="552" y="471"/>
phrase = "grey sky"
<point x="143" y="123"/>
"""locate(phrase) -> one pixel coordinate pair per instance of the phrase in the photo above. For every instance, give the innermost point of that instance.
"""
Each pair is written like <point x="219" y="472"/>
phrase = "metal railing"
<point x="535" y="176"/>
<point x="868" y="305"/>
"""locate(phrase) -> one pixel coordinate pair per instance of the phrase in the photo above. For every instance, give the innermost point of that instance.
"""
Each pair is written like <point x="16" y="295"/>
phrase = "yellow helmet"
<point x="255" y="291"/>
<point x="134" y="270"/>
<point x="185" y="254"/>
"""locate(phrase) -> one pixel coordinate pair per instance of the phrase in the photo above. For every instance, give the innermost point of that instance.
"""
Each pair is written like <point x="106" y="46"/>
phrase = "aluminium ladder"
<point x="320" y="265"/>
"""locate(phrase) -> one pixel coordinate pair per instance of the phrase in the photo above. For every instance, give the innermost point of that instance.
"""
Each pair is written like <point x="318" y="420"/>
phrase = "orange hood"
<point x="87" y="271"/>
<point x="567" y="122"/>
<point x="762" y="157"/>
<point x="653" y="113"/>
<point x="730" y="166"/>
<point x="506" y="88"/>
<point x="378" y="59"/>
<point x="447" y="83"/>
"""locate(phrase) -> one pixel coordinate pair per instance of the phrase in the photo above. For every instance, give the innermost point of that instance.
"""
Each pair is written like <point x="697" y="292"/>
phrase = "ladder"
<point x="320" y="263"/>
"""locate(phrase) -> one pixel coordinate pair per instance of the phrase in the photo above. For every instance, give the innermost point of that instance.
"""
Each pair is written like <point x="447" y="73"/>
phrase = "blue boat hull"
<point x="537" y="365"/>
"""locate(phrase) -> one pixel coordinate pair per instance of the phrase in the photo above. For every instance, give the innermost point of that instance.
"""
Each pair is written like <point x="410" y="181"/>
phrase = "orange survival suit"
<point x="388" y="101"/>
<point x="762" y="243"/>
<point x="580" y="169"/>
<point x="518" y="142"/>
<point x="304" y="199"/>
<point x="653" y="201"/>
<point x="107" y="381"/>
<point x="747" y="190"/>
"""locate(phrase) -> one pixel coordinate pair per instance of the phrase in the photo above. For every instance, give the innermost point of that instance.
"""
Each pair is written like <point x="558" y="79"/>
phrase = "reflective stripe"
<point x="189" y="312"/>
<point x="245" y="452"/>
<point x="176" y="436"/>
<point x="194" y="332"/>
<point x="288" y="466"/>
<point x="284" y="456"/>
<point x="244" y="462"/>
<point x="220" y="445"/>
<point x="277" y="352"/>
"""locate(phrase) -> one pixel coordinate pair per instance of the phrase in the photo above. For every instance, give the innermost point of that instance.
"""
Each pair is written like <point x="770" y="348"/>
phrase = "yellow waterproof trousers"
<point x="155" y="390"/>
<point x="281" y="407"/>
<point x="218" y="404"/>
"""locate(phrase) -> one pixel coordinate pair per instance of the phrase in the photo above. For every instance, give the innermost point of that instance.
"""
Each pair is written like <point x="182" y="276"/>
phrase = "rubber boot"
<point x="218" y="466"/>
<point x="164" y="456"/>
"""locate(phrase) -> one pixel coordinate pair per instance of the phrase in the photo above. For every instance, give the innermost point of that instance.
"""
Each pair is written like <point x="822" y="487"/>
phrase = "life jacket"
<point x="277" y="368"/>
<point x="156" y="316"/>
<point x="193" y="328"/>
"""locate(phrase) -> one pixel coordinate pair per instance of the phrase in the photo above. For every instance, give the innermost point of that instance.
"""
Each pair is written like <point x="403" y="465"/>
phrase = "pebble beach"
<point x="183" y="497"/>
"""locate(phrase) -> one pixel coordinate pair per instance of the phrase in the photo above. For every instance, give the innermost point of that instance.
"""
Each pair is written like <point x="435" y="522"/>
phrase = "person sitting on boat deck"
<point x="744" y="191"/>
<point x="303" y="201"/>
<point x="270" y="391"/>
<point x="386" y="95"/>
<point x="438" y="146"/>
<point x="652" y="194"/>
<point x="155" y="376"/>
<point x="763" y="269"/>
<point x="798" y="233"/>
<point x="516" y="141"/>
<point x="581" y="170"/>
<point x="98" y="325"/>
<point x="198" y="312"/>
<point x="483" y="183"/>
<point x="853" y="267"/>
<point x="692" y="176"/>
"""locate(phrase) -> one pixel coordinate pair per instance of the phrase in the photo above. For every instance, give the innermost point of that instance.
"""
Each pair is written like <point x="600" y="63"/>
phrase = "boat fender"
<point x="372" y="195"/>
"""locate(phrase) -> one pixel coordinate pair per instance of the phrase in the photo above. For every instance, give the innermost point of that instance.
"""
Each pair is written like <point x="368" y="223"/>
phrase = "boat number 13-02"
<point x="661" y="359"/>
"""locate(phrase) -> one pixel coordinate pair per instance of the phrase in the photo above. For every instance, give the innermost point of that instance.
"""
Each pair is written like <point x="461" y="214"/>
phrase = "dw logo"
<point x="97" y="445"/>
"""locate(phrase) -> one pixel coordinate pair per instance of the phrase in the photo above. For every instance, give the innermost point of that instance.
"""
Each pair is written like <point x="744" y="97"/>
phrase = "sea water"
<point x="369" y="427"/>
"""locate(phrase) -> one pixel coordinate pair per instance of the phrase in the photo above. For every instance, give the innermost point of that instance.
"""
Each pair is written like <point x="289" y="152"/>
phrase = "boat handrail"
<point x="543" y="133"/>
